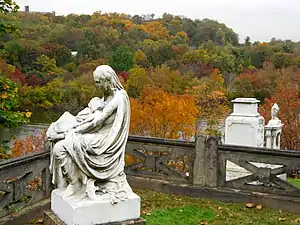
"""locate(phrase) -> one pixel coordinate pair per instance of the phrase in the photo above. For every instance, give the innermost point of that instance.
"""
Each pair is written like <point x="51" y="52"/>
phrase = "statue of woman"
<point x="89" y="149"/>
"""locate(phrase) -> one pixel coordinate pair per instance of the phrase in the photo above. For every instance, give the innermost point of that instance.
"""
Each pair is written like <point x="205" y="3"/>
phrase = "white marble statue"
<point x="89" y="148"/>
<point x="274" y="112"/>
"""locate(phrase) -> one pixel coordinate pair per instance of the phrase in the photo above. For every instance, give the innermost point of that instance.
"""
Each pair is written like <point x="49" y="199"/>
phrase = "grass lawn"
<point x="164" y="209"/>
<point x="295" y="182"/>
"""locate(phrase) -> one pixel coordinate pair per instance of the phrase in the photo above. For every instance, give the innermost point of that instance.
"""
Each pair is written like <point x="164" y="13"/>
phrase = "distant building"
<point x="27" y="10"/>
<point x="74" y="53"/>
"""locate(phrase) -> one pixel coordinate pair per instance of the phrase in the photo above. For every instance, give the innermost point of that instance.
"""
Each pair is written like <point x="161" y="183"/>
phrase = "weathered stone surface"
<point x="52" y="219"/>
<point x="87" y="211"/>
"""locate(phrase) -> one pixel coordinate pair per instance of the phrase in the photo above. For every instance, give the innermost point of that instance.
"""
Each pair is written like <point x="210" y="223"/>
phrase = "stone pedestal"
<point x="76" y="211"/>
<point x="51" y="219"/>
<point x="273" y="134"/>
<point x="244" y="127"/>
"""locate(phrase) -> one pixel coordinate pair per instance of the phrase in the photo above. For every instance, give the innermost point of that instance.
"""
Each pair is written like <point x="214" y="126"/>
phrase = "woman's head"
<point x="106" y="77"/>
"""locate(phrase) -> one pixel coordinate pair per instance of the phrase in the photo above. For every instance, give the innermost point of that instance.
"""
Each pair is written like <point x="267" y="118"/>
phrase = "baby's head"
<point x="96" y="103"/>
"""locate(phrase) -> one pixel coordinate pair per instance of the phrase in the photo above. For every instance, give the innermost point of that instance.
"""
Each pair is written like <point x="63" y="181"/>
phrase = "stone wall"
<point x="177" y="167"/>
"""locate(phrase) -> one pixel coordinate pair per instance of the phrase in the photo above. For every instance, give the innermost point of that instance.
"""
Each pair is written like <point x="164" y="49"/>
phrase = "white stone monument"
<point x="244" y="127"/>
<point x="87" y="159"/>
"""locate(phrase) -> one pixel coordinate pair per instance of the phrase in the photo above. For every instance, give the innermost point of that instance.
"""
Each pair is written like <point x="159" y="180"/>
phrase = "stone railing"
<point x="193" y="169"/>
<point x="161" y="159"/>
<point x="24" y="181"/>
<point x="265" y="179"/>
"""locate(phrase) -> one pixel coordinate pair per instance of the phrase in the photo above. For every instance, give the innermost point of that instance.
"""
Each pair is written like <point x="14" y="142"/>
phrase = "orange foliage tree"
<point x="159" y="114"/>
<point x="289" y="102"/>
<point x="156" y="30"/>
<point x="210" y="95"/>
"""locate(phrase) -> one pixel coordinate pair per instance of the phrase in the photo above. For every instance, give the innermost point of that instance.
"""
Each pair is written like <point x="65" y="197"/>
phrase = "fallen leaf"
<point x="219" y="208"/>
<point x="259" y="206"/>
<point x="4" y="96"/>
<point x="40" y="221"/>
<point x="203" y="223"/>
<point x="148" y="214"/>
<point x="249" y="205"/>
<point x="282" y="219"/>
<point x="28" y="114"/>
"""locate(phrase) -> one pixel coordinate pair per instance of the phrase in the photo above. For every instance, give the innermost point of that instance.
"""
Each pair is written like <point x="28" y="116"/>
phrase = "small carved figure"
<point x="274" y="112"/>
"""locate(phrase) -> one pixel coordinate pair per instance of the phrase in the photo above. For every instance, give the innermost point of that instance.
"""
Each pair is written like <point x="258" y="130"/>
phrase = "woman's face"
<point x="103" y="82"/>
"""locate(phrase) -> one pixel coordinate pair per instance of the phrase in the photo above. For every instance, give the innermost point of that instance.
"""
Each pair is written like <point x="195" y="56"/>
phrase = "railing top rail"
<point x="11" y="163"/>
<point x="162" y="141"/>
<point x="7" y="164"/>
<point x="263" y="151"/>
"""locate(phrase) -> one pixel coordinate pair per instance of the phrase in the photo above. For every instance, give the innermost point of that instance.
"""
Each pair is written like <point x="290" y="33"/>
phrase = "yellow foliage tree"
<point x="169" y="80"/>
<point x="140" y="58"/>
<point x="157" y="30"/>
<point x="211" y="98"/>
<point x="136" y="81"/>
<point x="183" y="35"/>
<point x="159" y="114"/>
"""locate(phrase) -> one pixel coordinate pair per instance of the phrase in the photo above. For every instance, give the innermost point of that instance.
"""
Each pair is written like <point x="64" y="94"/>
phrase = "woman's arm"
<point x="100" y="117"/>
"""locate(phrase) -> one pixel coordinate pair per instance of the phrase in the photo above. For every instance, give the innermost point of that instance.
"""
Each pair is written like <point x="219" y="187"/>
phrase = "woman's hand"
<point x="70" y="133"/>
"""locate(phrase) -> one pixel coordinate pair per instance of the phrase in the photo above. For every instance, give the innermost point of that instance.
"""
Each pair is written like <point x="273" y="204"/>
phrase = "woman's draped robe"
<point x="99" y="153"/>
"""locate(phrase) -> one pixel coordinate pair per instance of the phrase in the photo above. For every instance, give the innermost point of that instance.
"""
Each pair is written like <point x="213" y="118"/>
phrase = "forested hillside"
<point x="176" y="70"/>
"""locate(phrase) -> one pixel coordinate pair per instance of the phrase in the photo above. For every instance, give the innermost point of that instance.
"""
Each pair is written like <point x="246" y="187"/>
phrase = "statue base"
<point x="84" y="211"/>
<point x="51" y="219"/>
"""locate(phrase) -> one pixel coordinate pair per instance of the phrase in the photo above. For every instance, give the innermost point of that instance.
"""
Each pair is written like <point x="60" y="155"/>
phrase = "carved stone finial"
<point x="274" y="112"/>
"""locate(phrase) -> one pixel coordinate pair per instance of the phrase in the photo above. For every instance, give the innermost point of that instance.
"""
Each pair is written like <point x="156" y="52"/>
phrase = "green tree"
<point x="281" y="60"/>
<point x="7" y="6"/>
<point x="122" y="59"/>
<point x="10" y="116"/>
<point x="247" y="41"/>
<point x="136" y="81"/>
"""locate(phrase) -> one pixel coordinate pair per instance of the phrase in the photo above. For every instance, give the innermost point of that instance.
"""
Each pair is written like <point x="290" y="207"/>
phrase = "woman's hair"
<point x="105" y="71"/>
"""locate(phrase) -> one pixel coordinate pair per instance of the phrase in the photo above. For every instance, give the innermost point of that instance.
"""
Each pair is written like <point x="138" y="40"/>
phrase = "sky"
<point x="259" y="19"/>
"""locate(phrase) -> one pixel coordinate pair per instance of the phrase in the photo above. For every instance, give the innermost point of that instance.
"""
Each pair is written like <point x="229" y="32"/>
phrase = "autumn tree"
<point x="287" y="97"/>
<point x="60" y="53"/>
<point x="156" y="30"/>
<point x="171" y="81"/>
<point x="211" y="97"/>
<point x="281" y="60"/>
<point x="159" y="114"/>
<point x="10" y="114"/>
<point x="137" y="79"/>
<point x="140" y="58"/>
<point x="157" y="52"/>
<point x="48" y="66"/>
